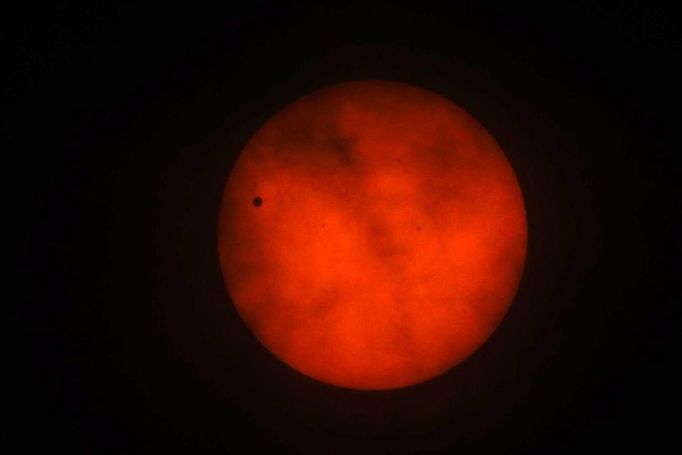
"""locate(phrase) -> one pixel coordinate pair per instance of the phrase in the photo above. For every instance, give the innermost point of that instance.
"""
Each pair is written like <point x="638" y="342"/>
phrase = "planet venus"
<point x="372" y="235"/>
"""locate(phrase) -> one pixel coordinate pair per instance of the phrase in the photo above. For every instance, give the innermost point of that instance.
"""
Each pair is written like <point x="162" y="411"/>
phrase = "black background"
<point x="123" y="122"/>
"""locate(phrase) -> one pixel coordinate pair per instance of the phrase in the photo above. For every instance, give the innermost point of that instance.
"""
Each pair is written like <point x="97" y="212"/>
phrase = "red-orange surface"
<point x="388" y="241"/>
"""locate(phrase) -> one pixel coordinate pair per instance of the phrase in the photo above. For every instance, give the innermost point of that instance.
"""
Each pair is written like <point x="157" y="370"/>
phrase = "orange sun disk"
<point x="372" y="235"/>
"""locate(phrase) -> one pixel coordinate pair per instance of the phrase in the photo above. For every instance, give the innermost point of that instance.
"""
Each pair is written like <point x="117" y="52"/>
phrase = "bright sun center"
<point x="372" y="235"/>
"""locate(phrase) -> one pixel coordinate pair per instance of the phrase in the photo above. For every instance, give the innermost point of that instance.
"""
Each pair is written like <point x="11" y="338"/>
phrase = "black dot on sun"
<point x="257" y="201"/>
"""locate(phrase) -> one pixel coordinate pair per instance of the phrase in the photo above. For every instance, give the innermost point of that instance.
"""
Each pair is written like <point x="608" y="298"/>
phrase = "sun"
<point x="372" y="235"/>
